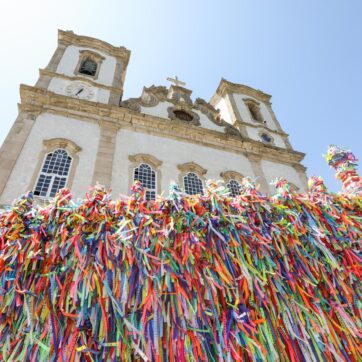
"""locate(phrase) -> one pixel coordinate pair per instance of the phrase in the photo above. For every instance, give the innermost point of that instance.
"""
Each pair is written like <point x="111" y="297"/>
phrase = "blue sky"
<point x="306" y="54"/>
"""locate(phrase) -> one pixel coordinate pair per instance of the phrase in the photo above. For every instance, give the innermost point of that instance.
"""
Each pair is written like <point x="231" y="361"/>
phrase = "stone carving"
<point x="69" y="145"/>
<point x="195" y="121"/>
<point x="214" y="116"/>
<point x="231" y="175"/>
<point x="145" y="158"/>
<point x="180" y="95"/>
<point x="209" y="111"/>
<point x="232" y="131"/>
<point x="150" y="97"/>
<point x="192" y="167"/>
<point x="153" y="95"/>
<point x="39" y="100"/>
<point x="132" y="104"/>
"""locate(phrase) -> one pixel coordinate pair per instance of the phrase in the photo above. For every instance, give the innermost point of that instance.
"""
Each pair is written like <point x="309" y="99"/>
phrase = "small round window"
<point x="183" y="116"/>
<point x="266" y="138"/>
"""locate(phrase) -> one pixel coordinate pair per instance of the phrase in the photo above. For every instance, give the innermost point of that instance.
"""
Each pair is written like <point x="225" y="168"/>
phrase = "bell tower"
<point x="86" y="68"/>
<point x="250" y="110"/>
<point x="61" y="120"/>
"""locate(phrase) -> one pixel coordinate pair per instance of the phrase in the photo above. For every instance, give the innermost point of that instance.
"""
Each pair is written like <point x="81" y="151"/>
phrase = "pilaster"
<point x="115" y="97"/>
<point x="234" y="112"/>
<point x="116" y="93"/>
<point x="106" y="149"/>
<point x="255" y="161"/>
<point x="44" y="80"/>
<point x="279" y="128"/>
<point x="13" y="144"/>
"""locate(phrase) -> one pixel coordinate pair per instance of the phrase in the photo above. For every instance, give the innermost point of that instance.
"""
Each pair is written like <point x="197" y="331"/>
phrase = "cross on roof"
<point x="176" y="81"/>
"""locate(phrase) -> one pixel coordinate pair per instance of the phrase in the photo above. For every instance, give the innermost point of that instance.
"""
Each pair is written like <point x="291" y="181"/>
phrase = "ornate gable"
<point x="176" y="105"/>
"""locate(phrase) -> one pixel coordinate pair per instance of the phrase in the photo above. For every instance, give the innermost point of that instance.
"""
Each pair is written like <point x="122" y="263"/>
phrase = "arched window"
<point x="54" y="173"/>
<point x="234" y="187"/>
<point x="193" y="184"/>
<point x="254" y="111"/>
<point x="144" y="174"/>
<point x="88" y="67"/>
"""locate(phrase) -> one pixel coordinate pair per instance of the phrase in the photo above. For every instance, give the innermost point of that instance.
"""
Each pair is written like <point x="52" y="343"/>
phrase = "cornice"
<point x="109" y="125"/>
<point x="49" y="73"/>
<point x="69" y="38"/>
<point x="225" y="87"/>
<point x="192" y="167"/>
<point x="231" y="175"/>
<point x="178" y="89"/>
<point x="92" y="54"/>
<point x="301" y="168"/>
<point x="160" y="92"/>
<point x="62" y="143"/>
<point x="31" y="111"/>
<point x="262" y="126"/>
<point x="254" y="157"/>
<point x="145" y="158"/>
<point x="40" y="100"/>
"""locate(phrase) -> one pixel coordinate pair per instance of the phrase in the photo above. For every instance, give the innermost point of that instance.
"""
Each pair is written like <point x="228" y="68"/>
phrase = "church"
<point x="203" y="278"/>
<point x="75" y="129"/>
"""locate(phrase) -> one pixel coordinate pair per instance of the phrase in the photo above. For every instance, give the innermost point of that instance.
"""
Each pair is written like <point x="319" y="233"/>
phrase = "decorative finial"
<point x="176" y="81"/>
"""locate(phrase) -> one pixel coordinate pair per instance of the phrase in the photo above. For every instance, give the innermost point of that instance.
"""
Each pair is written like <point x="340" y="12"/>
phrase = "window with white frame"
<point x="144" y="174"/>
<point x="234" y="187"/>
<point x="54" y="173"/>
<point x="193" y="184"/>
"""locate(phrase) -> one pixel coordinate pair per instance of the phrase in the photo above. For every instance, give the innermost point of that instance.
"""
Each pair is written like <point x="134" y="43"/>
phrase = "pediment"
<point x="192" y="167"/>
<point x="160" y="102"/>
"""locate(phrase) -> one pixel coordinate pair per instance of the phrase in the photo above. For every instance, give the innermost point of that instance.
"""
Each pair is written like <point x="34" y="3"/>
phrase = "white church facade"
<point x="74" y="129"/>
